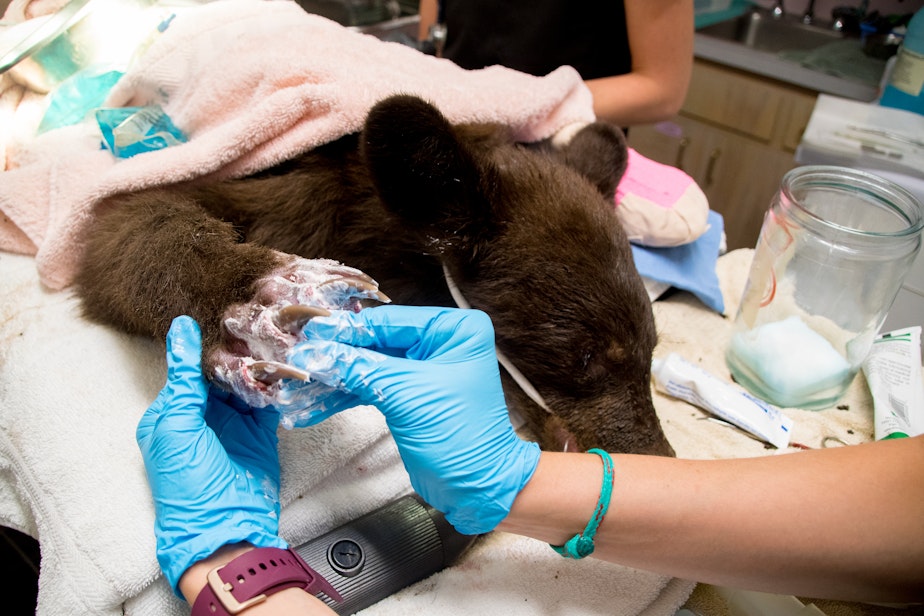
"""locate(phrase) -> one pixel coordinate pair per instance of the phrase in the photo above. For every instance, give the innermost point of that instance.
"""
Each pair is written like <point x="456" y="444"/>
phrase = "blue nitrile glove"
<point x="433" y="373"/>
<point x="213" y="468"/>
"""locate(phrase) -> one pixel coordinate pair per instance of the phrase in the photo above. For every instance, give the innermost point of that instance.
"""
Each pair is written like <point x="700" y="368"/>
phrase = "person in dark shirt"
<point x="636" y="56"/>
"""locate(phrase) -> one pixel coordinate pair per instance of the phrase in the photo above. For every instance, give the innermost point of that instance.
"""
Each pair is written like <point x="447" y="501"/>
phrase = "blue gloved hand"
<point x="433" y="373"/>
<point x="212" y="463"/>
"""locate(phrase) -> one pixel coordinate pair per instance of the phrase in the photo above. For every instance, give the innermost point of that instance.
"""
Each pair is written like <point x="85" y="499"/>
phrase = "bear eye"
<point x="598" y="366"/>
<point x="594" y="370"/>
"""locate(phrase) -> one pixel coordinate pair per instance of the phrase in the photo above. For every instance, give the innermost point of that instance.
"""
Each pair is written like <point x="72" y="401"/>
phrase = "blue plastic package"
<point x="76" y="96"/>
<point x="128" y="131"/>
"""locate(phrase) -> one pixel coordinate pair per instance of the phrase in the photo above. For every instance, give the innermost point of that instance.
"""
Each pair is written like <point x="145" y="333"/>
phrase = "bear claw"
<point x="294" y="317"/>
<point x="259" y="333"/>
<point x="364" y="286"/>
<point x="269" y="372"/>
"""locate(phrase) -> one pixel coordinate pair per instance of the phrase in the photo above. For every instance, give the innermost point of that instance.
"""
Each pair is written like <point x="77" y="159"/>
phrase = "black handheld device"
<point x="380" y="553"/>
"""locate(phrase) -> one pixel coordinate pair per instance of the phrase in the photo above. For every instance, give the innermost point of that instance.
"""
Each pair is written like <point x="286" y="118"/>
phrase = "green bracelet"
<point x="582" y="544"/>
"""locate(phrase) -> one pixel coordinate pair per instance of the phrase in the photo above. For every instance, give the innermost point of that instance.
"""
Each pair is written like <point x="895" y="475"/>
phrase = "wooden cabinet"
<point x="735" y="136"/>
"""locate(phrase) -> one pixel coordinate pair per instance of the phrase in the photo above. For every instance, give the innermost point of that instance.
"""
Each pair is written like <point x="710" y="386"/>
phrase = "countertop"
<point x="775" y="67"/>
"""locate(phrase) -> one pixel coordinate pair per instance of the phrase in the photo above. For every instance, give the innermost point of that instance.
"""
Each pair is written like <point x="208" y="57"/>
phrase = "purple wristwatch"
<point x="249" y="578"/>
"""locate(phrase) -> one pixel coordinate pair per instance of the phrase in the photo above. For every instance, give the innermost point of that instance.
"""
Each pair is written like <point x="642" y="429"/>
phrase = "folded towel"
<point x="690" y="267"/>
<point x="252" y="83"/>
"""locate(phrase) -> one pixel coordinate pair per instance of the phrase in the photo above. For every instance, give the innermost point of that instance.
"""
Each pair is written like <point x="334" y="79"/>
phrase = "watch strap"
<point x="251" y="577"/>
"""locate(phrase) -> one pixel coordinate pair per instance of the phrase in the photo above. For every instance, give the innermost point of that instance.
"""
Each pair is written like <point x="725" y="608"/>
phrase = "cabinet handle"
<point x="681" y="150"/>
<point x="713" y="158"/>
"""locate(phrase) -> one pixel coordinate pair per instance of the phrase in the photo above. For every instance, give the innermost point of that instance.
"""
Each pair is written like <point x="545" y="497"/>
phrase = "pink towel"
<point x="252" y="83"/>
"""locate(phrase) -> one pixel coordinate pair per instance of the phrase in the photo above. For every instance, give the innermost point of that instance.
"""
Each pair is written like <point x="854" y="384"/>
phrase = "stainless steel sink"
<point x="787" y="50"/>
<point x="759" y="30"/>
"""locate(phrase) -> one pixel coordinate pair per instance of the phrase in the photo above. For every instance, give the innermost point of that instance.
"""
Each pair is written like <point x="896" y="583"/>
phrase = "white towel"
<point x="71" y="475"/>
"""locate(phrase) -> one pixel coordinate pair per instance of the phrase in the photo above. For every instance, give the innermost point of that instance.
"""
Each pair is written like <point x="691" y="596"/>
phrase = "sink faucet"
<point x="847" y="18"/>
<point x="777" y="10"/>
<point x="809" y="16"/>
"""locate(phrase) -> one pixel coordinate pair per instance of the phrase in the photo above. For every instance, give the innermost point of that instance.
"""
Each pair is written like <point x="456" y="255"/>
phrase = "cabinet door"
<point x="738" y="175"/>
<point x="768" y="111"/>
<point x="735" y="100"/>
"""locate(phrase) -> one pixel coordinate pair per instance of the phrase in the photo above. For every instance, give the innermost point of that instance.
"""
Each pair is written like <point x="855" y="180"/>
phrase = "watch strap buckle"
<point x="223" y="590"/>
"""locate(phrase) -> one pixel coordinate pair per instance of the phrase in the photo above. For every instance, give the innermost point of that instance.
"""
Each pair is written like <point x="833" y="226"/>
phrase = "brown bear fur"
<point x="528" y="233"/>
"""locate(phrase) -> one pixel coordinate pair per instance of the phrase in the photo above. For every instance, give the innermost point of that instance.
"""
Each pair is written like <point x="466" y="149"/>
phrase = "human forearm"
<point x="633" y="99"/>
<point x="289" y="601"/>
<point x="655" y="88"/>
<point x="841" y="523"/>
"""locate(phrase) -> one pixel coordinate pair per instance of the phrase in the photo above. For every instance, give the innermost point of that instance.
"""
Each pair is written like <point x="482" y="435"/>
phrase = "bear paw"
<point x="257" y="335"/>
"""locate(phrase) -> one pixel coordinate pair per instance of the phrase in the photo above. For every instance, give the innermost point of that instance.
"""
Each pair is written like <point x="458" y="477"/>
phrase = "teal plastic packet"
<point x="128" y="131"/>
<point x="76" y="96"/>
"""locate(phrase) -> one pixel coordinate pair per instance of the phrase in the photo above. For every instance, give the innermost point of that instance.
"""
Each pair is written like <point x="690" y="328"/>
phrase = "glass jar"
<point x="833" y="251"/>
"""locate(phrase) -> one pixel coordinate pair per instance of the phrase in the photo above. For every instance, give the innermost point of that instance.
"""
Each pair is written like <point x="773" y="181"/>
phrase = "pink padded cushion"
<point x="660" y="205"/>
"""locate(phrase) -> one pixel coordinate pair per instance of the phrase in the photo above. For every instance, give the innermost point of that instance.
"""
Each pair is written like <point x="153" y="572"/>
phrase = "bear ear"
<point x="598" y="152"/>
<point x="421" y="169"/>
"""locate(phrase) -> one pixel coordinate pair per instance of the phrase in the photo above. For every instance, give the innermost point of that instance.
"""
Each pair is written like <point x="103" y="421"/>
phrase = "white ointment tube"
<point x="676" y="376"/>
<point x="893" y="372"/>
